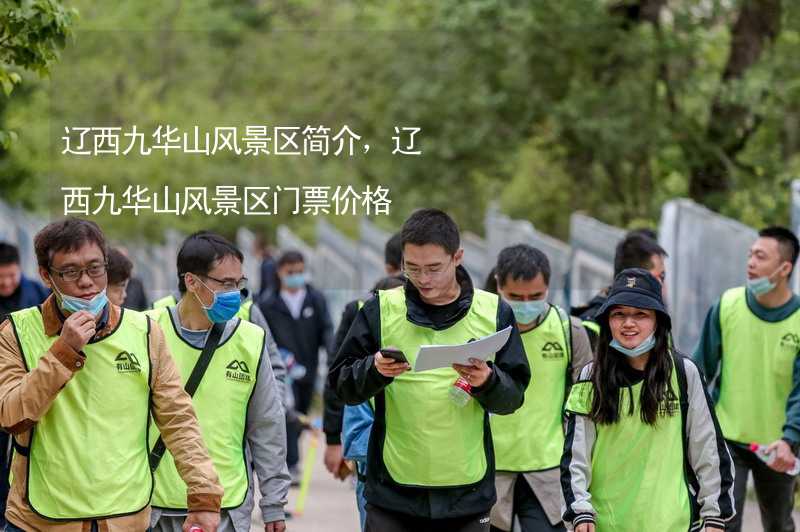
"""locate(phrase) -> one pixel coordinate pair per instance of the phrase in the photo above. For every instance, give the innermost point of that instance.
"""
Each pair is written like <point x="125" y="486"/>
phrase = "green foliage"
<point x="547" y="106"/>
<point x="32" y="32"/>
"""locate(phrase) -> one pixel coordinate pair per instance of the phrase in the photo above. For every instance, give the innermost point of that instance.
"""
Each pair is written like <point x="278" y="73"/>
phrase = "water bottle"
<point x="460" y="392"/>
<point x="768" y="457"/>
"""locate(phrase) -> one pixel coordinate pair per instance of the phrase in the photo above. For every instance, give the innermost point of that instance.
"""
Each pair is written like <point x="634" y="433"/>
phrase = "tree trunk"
<point x="731" y="124"/>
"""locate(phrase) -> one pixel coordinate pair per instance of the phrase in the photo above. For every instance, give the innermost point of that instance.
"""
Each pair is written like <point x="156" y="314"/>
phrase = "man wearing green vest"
<point x="748" y="350"/>
<point x="238" y="401"/>
<point x="529" y="442"/>
<point x="430" y="464"/>
<point x="80" y="379"/>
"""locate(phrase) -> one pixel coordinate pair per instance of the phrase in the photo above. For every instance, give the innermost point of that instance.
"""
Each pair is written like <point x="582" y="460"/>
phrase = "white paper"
<point x="444" y="356"/>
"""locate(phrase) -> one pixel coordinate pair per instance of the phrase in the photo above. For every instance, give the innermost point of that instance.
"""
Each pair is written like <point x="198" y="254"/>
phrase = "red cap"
<point x="754" y="447"/>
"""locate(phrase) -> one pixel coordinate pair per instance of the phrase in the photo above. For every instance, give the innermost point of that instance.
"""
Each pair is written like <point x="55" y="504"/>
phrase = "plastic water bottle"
<point x="460" y="392"/>
<point x="768" y="457"/>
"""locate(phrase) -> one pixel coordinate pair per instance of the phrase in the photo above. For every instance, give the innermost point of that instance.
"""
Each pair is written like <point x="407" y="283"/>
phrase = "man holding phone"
<point x="430" y="464"/>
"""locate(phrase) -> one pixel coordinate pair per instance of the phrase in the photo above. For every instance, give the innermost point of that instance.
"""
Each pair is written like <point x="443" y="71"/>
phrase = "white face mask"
<point x="633" y="352"/>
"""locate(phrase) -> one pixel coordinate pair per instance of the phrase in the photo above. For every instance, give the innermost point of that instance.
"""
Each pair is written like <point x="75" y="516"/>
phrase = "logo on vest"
<point x="127" y="363"/>
<point x="791" y="340"/>
<point x="552" y="351"/>
<point x="669" y="405"/>
<point x="237" y="371"/>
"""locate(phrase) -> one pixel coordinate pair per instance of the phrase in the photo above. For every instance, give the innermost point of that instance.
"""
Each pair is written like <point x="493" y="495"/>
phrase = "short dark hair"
<point x="119" y="267"/>
<point x="69" y="234"/>
<point x="787" y="242"/>
<point x="9" y="254"/>
<point x="431" y="226"/>
<point x="200" y="252"/>
<point x="393" y="251"/>
<point x="291" y="257"/>
<point x="636" y="250"/>
<point x="521" y="262"/>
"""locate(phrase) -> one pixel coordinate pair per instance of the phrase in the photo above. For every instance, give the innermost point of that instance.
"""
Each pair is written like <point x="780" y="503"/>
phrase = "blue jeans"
<point x="361" y="501"/>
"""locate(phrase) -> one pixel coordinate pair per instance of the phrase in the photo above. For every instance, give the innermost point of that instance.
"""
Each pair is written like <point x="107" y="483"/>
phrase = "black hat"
<point x="635" y="287"/>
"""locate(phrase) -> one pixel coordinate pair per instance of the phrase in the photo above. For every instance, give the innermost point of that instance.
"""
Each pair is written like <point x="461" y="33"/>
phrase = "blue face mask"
<point x="639" y="350"/>
<point x="224" y="306"/>
<point x="526" y="312"/>
<point x="72" y="304"/>
<point x="295" y="280"/>
<point x="760" y="286"/>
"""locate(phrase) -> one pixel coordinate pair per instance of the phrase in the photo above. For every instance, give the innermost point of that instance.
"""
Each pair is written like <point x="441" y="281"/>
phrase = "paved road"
<point x="330" y="506"/>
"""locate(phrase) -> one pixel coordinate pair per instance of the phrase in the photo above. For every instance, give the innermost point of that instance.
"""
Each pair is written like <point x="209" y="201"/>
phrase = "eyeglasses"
<point x="228" y="285"/>
<point x="71" y="274"/>
<point x="414" y="272"/>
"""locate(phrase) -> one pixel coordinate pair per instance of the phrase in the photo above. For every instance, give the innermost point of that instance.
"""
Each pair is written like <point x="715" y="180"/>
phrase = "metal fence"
<point x="707" y="254"/>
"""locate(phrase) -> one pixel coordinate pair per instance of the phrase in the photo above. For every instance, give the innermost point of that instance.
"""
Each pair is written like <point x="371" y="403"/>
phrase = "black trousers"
<point x="382" y="520"/>
<point x="529" y="511"/>
<point x="303" y="393"/>
<point x="774" y="491"/>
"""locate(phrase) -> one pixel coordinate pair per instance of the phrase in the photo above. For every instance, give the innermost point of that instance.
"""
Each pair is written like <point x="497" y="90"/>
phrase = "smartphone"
<point x="394" y="354"/>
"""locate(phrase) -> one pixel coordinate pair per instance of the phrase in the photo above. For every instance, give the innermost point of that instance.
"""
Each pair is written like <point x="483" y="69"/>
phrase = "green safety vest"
<point x="592" y="326"/>
<point x="532" y="438"/>
<point x="164" y="302"/>
<point x="244" y="310"/>
<point x="88" y="457"/>
<point x="756" y="376"/>
<point x="637" y="480"/>
<point x="430" y="441"/>
<point x="220" y="402"/>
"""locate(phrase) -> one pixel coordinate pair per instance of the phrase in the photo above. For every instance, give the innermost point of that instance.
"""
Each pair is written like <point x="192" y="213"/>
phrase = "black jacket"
<point x="355" y="379"/>
<point x="303" y="337"/>
<point x="333" y="406"/>
<point x="589" y="311"/>
<point x="29" y="293"/>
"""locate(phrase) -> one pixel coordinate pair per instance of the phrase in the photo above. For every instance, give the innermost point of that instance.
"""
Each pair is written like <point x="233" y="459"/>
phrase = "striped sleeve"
<point x="709" y="456"/>
<point x="576" y="465"/>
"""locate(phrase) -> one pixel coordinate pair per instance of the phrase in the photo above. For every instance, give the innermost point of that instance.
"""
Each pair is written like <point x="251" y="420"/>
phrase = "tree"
<point x="32" y="32"/>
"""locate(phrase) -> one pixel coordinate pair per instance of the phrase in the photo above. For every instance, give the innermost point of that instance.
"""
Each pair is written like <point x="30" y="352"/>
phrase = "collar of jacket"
<point x="417" y="309"/>
<point x="276" y="302"/>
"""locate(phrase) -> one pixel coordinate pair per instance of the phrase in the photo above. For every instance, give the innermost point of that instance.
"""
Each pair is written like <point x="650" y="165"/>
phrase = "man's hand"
<point x="784" y="457"/>
<point x="78" y="329"/>
<point x="388" y="367"/>
<point x="334" y="460"/>
<point x="476" y="374"/>
<point x="208" y="521"/>
<point x="275" y="526"/>
<point x="585" y="527"/>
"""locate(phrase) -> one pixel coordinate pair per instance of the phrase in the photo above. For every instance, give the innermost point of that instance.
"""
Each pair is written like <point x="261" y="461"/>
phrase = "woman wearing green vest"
<point x="529" y="442"/>
<point x="643" y="448"/>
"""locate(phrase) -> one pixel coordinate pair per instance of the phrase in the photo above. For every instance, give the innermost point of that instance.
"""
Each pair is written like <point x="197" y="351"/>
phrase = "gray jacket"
<point x="711" y="476"/>
<point x="265" y="449"/>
